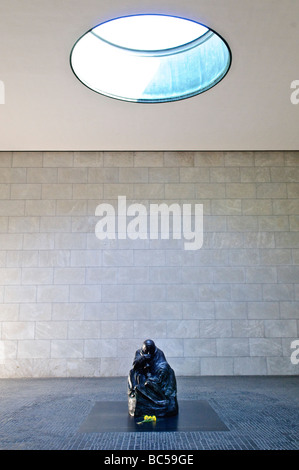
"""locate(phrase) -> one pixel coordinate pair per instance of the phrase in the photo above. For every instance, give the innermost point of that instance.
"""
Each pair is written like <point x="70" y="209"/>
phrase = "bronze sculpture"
<point x="151" y="383"/>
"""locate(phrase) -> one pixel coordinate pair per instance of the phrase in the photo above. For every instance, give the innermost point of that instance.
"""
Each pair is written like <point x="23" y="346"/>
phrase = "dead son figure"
<point x="151" y="383"/>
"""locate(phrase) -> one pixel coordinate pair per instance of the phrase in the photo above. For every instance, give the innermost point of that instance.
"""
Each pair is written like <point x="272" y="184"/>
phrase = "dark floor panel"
<point x="262" y="413"/>
<point x="113" y="417"/>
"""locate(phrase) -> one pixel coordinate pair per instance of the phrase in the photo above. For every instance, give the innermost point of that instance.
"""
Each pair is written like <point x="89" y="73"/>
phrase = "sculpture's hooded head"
<point x="149" y="347"/>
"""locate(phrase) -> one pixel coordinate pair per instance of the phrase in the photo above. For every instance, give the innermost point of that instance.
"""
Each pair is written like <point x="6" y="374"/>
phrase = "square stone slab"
<point x="113" y="416"/>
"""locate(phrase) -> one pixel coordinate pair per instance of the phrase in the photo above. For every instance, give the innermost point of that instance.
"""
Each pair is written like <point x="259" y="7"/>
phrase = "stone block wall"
<point x="74" y="305"/>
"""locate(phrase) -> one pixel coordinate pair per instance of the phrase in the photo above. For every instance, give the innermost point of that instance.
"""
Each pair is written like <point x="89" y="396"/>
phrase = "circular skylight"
<point x="150" y="58"/>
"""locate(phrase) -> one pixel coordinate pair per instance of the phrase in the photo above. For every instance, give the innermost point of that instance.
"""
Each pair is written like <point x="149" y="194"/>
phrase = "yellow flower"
<point x="147" y="419"/>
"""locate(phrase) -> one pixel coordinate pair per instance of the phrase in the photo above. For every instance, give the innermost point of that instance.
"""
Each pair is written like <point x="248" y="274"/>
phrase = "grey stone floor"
<point x="262" y="413"/>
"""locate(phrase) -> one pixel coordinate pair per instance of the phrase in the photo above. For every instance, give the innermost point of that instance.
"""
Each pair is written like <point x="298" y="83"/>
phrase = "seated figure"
<point x="151" y="383"/>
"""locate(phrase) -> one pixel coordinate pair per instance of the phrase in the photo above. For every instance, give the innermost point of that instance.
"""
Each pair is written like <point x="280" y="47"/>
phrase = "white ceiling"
<point x="47" y="108"/>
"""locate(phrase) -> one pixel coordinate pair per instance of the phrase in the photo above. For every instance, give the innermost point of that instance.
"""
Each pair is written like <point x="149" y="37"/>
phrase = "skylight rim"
<point x="159" y="15"/>
<point x="185" y="95"/>
<point x="159" y="52"/>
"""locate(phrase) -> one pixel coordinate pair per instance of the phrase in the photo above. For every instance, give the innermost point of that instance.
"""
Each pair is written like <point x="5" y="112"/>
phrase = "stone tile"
<point x="9" y="312"/>
<point x="97" y="176"/>
<point x="293" y="190"/>
<point x="265" y="347"/>
<point x="256" y="207"/>
<point x="271" y="190"/>
<point x="25" y="191"/>
<point x="278" y="292"/>
<point x="183" y="328"/>
<point x="143" y="311"/>
<point x="285" y="206"/>
<point x="217" y="293"/>
<point x="199" y="347"/>
<point x="261" y="275"/>
<point x="228" y="275"/>
<point x="289" y="310"/>
<point x="12" y="208"/>
<point x="69" y="311"/>
<point x="208" y="159"/>
<point x="32" y="349"/>
<point x="259" y="240"/>
<point x="99" y="311"/>
<point x="85" y="293"/>
<point x="225" y="175"/>
<point x="232" y="347"/>
<point x="226" y="207"/>
<point x="100" y="348"/>
<point x="244" y="257"/>
<point x="240" y="190"/>
<point x="269" y="158"/>
<point x="56" y="191"/>
<point x="37" y="276"/>
<point x="58" y="159"/>
<point x="210" y="190"/>
<point x="6" y="159"/>
<point x="52" y="293"/>
<point x="198" y="310"/>
<point x="117" y="329"/>
<point x="84" y="329"/>
<point x="280" y="366"/>
<point x="41" y="175"/>
<point x="230" y="310"/>
<point x="148" y="159"/>
<point x="19" y="294"/>
<point x="255" y="175"/>
<point x="239" y="223"/>
<point x="49" y="330"/>
<point x="17" y="330"/>
<point x="67" y="348"/>
<point x="88" y="159"/>
<point x="263" y="310"/>
<point x="38" y="241"/>
<point x="247" y="328"/>
<point x="148" y="329"/>
<point x="275" y="256"/>
<point x="246" y="292"/>
<point x="40" y="208"/>
<point x="217" y="366"/>
<point x="194" y="175"/>
<point x="182" y="159"/>
<point x="118" y="159"/>
<point x="195" y="274"/>
<point x="72" y="175"/>
<point x="288" y="274"/>
<point x="131" y="175"/>
<point x="175" y="191"/>
<point x="239" y="159"/>
<point x="273" y="223"/>
<point x="250" y="366"/>
<point x="280" y="328"/>
<point x="23" y="224"/>
<point x="68" y="275"/>
<point x="163" y="175"/>
<point x="215" y="328"/>
<point x="13" y="175"/>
